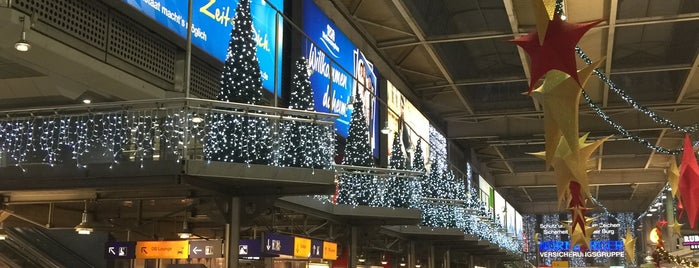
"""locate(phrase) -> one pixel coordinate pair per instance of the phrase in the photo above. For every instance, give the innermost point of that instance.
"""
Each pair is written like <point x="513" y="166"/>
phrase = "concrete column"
<point x="234" y="233"/>
<point x="447" y="259"/>
<point x="352" y="257"/>
<point x="430" y="258"/>
<point x="411" y="254"/>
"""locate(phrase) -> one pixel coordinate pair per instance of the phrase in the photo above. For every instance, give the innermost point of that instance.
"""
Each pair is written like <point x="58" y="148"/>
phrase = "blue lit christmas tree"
<point x="303" y="144"/>
<point x="235" y="137"/>
<point x="357" y="189"/>
<point x="415" y="188"/>
<point x="398" y="185"/>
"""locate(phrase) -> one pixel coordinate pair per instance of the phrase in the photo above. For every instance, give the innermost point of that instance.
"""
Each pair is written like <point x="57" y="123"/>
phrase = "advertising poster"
<point x="333" y="57"/>
<point x="212" y="25"/>
<point x="409" y="123"/>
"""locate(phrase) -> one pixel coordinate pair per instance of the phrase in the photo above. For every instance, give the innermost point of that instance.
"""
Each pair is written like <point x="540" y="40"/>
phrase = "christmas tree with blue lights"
<point x="240" y="138"/>
<point x="398" y="184"/>
<point x="415" y="190"/>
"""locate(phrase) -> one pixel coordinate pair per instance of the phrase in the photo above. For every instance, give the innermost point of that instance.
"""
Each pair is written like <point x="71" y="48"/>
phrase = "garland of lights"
<point x="662" y="254"/>
<point x="625" y="132"/>
<point x="655" y="117"/>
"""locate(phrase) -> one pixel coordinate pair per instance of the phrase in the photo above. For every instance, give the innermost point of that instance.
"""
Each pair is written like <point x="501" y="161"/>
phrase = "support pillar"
<point x="411" y="254"/>
<point x="447" y="259"/>
<point x="352" y="256"/>
<point x="430" y="258"/>
<point x="234" y="233"/>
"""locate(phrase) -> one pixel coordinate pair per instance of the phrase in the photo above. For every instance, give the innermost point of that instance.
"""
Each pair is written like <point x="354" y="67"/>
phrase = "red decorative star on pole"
<point x="689" y="182"/>
<point x="558" y="49"/>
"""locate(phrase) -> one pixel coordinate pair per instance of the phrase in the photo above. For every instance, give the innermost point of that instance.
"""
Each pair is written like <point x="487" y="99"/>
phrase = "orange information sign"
<point x="302" y="247"/>
<point x="162" y="249"/>
<point x="329" y="250"/>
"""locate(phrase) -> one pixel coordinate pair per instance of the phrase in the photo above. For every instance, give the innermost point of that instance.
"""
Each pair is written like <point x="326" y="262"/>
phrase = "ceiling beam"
<point x="514" y="25"/>
<point x="603" y="177"/>
<point x="403" y="10"/>
<point x="657" y="143"/>
<point x="548" y="207"/>
<point x="688" y="81"/>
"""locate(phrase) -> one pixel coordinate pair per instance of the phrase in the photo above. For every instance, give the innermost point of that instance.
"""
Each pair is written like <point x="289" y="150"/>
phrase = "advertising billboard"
<point x="409" y="123"/>
<point x="212" y="24"/>
<point x="333" y="57"/>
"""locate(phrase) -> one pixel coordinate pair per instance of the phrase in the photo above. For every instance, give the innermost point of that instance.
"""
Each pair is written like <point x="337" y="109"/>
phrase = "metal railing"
<point x="153" y="130"/>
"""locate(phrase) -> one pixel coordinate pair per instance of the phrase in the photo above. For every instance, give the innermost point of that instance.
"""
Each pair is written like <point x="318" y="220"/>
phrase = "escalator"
<point x="35" y="247"/>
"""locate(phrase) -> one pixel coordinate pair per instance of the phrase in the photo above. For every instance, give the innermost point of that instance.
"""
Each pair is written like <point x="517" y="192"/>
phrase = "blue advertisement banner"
<point x="212" y="25"/>
<point x="332" y="56"/>
<point x="595" y="245"/>
<point x="316" y="248"/>
<point x="120" y="250"/>
<point x="278" y="244"/>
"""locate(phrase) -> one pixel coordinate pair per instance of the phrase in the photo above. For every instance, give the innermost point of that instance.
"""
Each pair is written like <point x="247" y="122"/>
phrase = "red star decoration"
<point x="689" y="182"/>
<point x="557" y="51"/>
<point x="661" y="223"/>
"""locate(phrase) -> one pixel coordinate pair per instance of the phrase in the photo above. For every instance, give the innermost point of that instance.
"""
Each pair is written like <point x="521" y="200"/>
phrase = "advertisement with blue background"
<point x="332" y="55"/>
<point x="212" y="25"/>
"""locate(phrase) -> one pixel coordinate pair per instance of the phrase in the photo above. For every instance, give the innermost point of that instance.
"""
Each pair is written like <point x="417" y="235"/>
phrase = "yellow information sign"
<point x="302" y="247"/>
<point x="329" y="250"/>
<point x="559" y="263"/>
<point x="162" y="249"/>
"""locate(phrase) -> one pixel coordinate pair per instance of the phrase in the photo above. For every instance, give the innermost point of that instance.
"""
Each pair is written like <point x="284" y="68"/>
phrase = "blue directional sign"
<point x="120" y="250"/>
<point x="274" y="243"/>
<point x="249" y="248"/>
<point x="316" y="248"/>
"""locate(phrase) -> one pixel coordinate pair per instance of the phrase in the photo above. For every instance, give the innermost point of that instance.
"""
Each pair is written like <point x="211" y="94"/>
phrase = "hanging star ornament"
<point x="629" y="246"/>
<point x="689" y="182"/>
<point x="560" y="95"/>
<point x="557" y="51"/>
<point x="543" y="12"/>
<point x="580" y="236"/>
<point x="673" y="177"/>
<point x="676" y="228"/>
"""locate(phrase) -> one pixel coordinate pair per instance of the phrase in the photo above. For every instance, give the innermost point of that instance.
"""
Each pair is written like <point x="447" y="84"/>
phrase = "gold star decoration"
<point x="560" y="95"/>
<point x="543" y="11"/>
<point x="673" y="176"/>
<point x="629" y="246"/>
<point x="676" y="228"/>
<point x="580" y="236"/>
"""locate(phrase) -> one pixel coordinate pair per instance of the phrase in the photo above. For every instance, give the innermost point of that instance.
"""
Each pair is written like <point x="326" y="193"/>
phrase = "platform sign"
<point x="119" y="250"/>
<point x="302" y="247"/>
<point x="249" y="248"/>
<point x="278" y="244"/>
<point x="317" y="248"/>
<point x="162" y="249"/>
<point x="205" y="249"/>
<point x="329" y="250"/>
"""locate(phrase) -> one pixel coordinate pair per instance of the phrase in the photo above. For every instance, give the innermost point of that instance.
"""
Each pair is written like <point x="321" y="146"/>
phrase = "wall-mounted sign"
<point x="278" y="244"/>
<point x="119" y="250"/>
<point x="162" y="249"/>
<point x="333" y="57"/>
<point x="316" y="248"/>
<point x="329" y="250"/>
<point x="302" y="247"/>
<point x="212" y="25"/>
<point x="692" y="241"/>
<point x="595" y="245"/>
<point x="559" y="263"/>
<point x="206" y="249"/>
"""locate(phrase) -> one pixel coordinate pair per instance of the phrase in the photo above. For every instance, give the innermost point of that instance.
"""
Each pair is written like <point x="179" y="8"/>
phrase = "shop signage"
<point x="559" y="263"/>
<point x="316" y="248"/>
<point x="212" y="22"/>
<point x="329" y="250"/>
<point x="249" y="248"/>
<point x="206" y="249"/>
<point x="278" y="244"/>
<point x="119" y="250"/>
<point x="162" y="249"/>
<point x="595" y="245"/>
<point x="302" y="247"/>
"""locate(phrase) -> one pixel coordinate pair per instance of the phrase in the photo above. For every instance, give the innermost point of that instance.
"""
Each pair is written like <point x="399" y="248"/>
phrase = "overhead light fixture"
<point x="402" y="262"/>
<point x="87" y="101"/>
<point x="86" y="225"/>
<point x="383" y="259"/>
<point x="23" y="45"/>
<point x="417" y="263"/>
<point x="386" y="130"/>
<point x="361" y="258"/>
<point x="3" y="233"/>
<point x="186" y="233"/>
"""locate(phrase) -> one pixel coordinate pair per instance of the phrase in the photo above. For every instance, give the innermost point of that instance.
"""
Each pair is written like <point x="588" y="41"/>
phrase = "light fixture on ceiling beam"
<point x="185" y="233"/>
<point x="86" y="226"/>
<point x="383" y="259"/>
<point x="23" y="45"/>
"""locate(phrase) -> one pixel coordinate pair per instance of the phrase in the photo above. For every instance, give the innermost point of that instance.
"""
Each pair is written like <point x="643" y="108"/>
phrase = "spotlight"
<point x="22" y="45"/>
<point x="383" y="259"/>
<point x="417" y="263"/>
<point x="386" y="130"/>
<point x="86" y="226"/>
<point x="186" y="233"/>
<point x="402" y="262"/>
<point x="361" y="258"/>
<point x="87" y="101"/>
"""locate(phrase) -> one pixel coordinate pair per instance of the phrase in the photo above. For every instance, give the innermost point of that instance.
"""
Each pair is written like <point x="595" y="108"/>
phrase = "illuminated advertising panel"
<point x="333" y="57"/>
<point x="212" y="25"/>
<point x="408" y="122"/>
